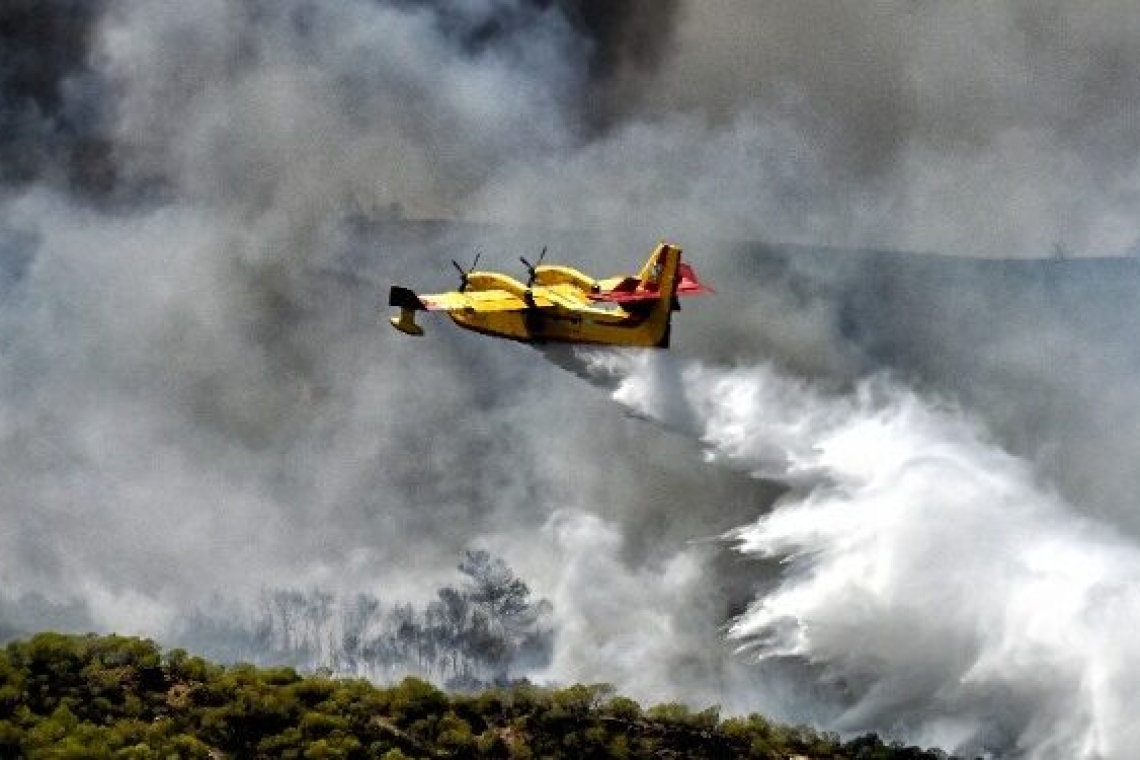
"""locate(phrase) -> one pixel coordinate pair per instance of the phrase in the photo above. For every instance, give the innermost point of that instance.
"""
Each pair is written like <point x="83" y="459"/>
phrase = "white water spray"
<point x="947" y="596"/>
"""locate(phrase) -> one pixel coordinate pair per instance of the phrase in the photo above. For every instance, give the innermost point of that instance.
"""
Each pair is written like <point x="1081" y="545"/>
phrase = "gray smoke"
<point x="997" y="131"/>
<point x="50" y="111"/>
<point x="197" y="392"/>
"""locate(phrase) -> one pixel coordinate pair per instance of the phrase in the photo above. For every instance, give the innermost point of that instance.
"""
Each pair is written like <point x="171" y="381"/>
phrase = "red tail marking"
<point x="690" y="285"/>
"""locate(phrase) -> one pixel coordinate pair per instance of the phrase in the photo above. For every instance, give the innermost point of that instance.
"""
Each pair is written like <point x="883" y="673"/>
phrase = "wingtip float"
<point x="560" y="304"/>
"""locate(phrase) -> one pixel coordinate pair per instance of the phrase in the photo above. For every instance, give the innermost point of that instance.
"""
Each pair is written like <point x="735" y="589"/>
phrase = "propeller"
<point x="465" y="273"/>
<point x="530" y="268"/>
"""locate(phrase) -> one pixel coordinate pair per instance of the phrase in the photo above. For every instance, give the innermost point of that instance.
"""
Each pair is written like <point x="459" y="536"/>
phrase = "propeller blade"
<point x="530" y="270"/>
<point x="462" y="272"/>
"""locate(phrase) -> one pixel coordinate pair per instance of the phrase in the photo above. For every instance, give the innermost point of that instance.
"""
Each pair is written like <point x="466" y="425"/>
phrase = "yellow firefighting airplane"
<point x="559" y="303"/>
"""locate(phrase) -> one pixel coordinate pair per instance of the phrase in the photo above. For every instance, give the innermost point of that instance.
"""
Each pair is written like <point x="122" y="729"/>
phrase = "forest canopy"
<point x="90" y="696"/>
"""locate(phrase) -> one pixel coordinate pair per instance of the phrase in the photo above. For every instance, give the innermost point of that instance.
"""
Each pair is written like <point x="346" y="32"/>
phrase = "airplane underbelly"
<point x="538" y="327"/>
<point x="505" y="324"/>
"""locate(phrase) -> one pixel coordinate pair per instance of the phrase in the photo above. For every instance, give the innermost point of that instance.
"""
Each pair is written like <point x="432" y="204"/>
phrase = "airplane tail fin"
<point x="408" y="303"/>
<point x="687" y="282"/>
<point x="662" y="273"/>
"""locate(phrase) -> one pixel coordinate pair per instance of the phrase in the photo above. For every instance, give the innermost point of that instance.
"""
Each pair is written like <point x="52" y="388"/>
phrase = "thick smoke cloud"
<point x="51" y="123"/>
<point x="897" y="124"/>
<point x="901" y="125"/>
<point x="197" y="395"/>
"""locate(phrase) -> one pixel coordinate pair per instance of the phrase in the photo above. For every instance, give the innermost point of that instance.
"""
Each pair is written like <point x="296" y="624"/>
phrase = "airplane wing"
<point x="481" y="300"/>
<point x="475" y="300"/>
<point x="409" y="302"/>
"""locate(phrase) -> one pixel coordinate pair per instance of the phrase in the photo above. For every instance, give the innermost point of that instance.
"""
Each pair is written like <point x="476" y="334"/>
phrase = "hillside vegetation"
<point x="66" y="696"/>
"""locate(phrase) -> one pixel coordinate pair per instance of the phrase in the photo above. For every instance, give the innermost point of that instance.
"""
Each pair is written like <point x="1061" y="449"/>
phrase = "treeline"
<point x="66" y="696"/>
<point x="485" y="630"/>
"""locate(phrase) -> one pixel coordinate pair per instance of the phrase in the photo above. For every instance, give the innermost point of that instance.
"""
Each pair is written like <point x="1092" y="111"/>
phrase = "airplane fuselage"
<point x="554" y="325"/>
<point x="560" y="304"/>
<point x="572" y="319"/>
